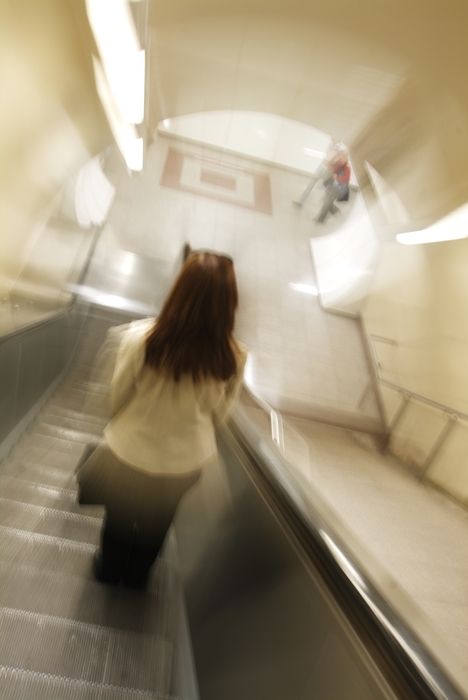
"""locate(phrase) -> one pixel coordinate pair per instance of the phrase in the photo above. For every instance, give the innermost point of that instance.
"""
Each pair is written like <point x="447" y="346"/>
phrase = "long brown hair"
<point x="193" y="332"/>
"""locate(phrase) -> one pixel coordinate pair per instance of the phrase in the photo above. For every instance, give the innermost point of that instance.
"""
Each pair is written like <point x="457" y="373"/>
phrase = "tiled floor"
<point x="300" y="355"/>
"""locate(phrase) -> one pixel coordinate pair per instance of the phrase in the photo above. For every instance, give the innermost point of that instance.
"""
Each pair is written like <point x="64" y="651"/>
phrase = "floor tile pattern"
<point x="297" y="350"/>
<point x="217" y="180"/>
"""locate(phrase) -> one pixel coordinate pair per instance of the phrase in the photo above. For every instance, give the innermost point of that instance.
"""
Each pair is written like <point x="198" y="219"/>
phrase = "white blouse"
<point x="159" y="425"/>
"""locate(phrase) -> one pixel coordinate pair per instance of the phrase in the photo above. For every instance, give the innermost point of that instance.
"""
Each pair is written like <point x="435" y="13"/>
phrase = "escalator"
<point x="254" y="596"/>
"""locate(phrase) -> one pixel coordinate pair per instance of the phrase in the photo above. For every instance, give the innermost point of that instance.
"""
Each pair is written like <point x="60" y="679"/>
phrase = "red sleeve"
<point x="344" y="177"/>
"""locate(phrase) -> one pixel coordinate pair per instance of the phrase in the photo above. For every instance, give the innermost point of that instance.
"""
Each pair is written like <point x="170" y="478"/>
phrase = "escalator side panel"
<point x="262" y="623"/>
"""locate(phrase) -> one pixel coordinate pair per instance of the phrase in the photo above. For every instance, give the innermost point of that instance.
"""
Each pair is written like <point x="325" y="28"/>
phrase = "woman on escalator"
<point x="176" y="377"/>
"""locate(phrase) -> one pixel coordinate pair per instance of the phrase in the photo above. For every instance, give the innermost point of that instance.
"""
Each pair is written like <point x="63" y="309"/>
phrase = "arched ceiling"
<point x="281" y="64"/>
<point x="386" y="76"/>
<point x="391" y="70"/>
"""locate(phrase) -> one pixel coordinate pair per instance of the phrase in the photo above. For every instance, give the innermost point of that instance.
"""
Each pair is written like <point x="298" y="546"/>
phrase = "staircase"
<point x="64" y="635"/>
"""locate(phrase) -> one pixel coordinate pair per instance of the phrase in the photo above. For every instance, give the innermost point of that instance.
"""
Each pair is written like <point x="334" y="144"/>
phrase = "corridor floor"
<point x="414" y="538"/>
<point x="301" y="358"/>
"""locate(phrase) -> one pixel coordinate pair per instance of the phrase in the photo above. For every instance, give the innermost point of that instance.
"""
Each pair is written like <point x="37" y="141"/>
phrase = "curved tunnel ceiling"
<point x="387" y="77"/>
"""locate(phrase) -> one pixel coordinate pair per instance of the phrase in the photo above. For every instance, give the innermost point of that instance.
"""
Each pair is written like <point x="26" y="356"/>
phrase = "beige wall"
<point x="51" y="121"/>
<point x="419" y="298"/>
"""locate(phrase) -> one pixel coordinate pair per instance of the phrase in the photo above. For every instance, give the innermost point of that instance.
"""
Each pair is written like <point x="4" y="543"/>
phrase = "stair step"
<point x="39" y="474"/>
<point x="66" y="557"/>
<point x="79" y="651"/>
<point x="26" y="685"/>
<point x="65" y="461"/>
<point x="50" y="521"/>
<point x="66" y="635"/>
<point x="56" y="431"/>
<point x="79" y="373"/>
<point x="50" y="412"/>
<point x="31" y="440"/>
<point x="81" y="599"/>
<point x="78" y="384"/>
<point x="89" y="387"/>
<point x="17" y="489"/>
<point x="11" y="487"/>
<point x="46" y="552"/>
<point x="72" y="424"/>
<point x="78" y="403"/>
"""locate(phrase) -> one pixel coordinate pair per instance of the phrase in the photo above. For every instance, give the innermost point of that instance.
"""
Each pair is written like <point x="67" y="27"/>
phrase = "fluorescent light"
<point x="134" y="154"/>
<point x="124" y="133"/>
<point x="451" y="228"/>
<point x="313" y="152"/>
<point x="122" y="59"/>
<point x="305" y="288"/>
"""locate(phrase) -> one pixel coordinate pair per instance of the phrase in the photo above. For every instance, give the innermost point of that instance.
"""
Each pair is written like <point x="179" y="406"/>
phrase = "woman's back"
<point x="162" y="425"/>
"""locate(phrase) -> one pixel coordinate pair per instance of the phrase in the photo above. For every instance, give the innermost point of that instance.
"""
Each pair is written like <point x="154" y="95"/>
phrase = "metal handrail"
<point x="407" y="392"/>
<point x="453" y="415"/>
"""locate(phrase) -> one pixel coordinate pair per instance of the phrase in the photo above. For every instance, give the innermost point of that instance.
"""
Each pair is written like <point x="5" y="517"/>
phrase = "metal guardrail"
<point x="453" y="415"/>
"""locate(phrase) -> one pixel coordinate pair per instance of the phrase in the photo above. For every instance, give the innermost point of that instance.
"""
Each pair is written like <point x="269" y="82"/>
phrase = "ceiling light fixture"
<point x="122" y="71"/>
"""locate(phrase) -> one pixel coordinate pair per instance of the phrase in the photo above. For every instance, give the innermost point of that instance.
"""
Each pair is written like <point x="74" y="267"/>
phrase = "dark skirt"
<point x="140" y="506"/>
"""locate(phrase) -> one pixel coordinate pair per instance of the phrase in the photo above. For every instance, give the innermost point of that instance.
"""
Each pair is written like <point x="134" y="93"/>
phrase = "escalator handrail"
<point x="402" y="645"/>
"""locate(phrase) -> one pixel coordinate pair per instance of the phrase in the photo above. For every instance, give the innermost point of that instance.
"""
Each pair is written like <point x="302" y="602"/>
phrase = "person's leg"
<point x="312" y="182"/>
<point x="111" y="560"/>
<point x="152" y="521"/>
<point x="328" y="202"/>
<point x="140" y="561"/>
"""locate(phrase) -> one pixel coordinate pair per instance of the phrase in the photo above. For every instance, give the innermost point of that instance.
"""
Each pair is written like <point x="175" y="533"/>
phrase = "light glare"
<point x="122" y="59"/>
<point x="451" y="228"/>
<point x="125" y="134"/>
<point x="305" y="288"/>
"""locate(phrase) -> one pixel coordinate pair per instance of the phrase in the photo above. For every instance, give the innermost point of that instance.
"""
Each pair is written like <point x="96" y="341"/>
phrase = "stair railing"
<point x="452" y="415"/>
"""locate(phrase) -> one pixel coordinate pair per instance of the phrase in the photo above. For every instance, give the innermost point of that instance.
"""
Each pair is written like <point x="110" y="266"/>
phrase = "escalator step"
<point x="46" y="552"/>
<point x="88" y="386"/>
<point x="55" y="431"/>
<point x="31" y="440"/>
<point x="27" y="685"/>
<point x="49" y="521"/>
<point x="50" y="410"/>
<point x="64" y="635"/>
<point x="80" y="403"/>
<point x="81" y="599"/>
<point x="40" y="474"/>
<point x="46" y="456"/>
<point x="79" y="651"/>
<point x="71" y="424"/>
<point x="17" y="489"/>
